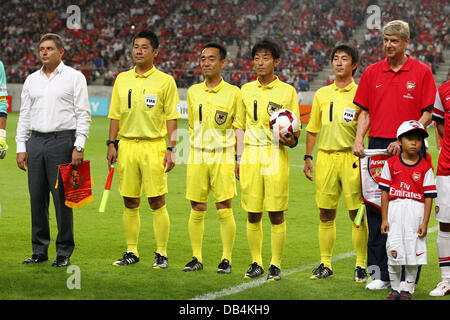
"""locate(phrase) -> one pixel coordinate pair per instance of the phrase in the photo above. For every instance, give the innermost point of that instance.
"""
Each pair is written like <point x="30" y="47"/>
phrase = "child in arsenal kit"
<point x="408" y="188"/>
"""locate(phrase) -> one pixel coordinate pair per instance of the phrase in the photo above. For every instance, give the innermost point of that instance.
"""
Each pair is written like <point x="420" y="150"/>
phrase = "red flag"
<point x="77" y="184"/>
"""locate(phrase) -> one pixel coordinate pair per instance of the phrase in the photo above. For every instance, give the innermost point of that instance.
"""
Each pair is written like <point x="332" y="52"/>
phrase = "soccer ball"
<point x="283" y="121"/>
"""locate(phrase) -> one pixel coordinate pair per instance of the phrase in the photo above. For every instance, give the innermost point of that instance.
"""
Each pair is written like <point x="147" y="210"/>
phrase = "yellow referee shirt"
<point x="143" y="103"/>
<point x="333" y="110"/>
<point x="211" y="113"/>
<point x="259" y="102"/>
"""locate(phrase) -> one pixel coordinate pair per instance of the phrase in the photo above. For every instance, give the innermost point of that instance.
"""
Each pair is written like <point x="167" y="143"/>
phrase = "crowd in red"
<point x="428" y="32"/>
<point x="307" y="32"/>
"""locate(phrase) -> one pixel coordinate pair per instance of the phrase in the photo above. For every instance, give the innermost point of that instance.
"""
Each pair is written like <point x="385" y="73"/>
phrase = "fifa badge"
<point x="150" y="100"/>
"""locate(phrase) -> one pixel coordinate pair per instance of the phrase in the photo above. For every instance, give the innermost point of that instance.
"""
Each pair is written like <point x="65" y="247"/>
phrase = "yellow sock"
<point x="196" y="226"/>
<point x="255" y="239"/>
<point x="161" y="228"/>
<point x="359" y="238"/>
<point x="278" y="240"/>
<point x="227" y="231"/>
<point x="132" y="226"/>
<point x="327" y="238"/>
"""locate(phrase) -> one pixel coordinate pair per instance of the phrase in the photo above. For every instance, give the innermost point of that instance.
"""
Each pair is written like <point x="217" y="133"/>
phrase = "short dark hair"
<point x="59" y="42"/>
<point x="222" y="50"/>
<point x="416" y="133"/>
<point x="348" y="49"/>
<point x="150" y="35"/>
<point x="267" y="44"/>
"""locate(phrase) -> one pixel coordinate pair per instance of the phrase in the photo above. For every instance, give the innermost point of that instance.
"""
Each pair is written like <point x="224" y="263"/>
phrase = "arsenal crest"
<point x="394" y="254"/>
<point x="221" y="117"/>
<point x="272" y="107"/>
<point x="375" y="166"/>
<point x="410" y="85"/>
<point x="416" y="176"/>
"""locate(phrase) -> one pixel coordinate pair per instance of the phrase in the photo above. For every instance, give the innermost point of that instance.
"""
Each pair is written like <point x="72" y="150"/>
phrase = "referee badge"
<point x="221" y="117"/>
<point x="272" y="107"/>
<point x="150" y="100"/>
<point x="349" y="114"/>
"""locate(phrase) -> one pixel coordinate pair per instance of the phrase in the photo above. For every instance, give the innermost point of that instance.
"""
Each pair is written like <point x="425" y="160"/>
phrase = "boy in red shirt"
<point x="408" y="188"/>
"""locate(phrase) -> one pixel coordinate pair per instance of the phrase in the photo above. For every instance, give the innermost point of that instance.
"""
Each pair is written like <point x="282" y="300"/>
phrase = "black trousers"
<point x="45" y="152"/>
<point x="376" y="245"/>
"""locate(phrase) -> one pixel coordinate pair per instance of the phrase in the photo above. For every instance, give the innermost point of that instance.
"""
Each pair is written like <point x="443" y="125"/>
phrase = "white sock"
<point x="443" y="250"/>
<point x="410" y="278"/>
<point x="395" y="273"/>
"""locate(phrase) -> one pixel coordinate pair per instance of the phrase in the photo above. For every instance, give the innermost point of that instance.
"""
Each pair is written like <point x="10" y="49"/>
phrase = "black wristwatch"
<point x="307" y="156"/>
<point x="115" y="142"/>
<point x="172" y="149"/>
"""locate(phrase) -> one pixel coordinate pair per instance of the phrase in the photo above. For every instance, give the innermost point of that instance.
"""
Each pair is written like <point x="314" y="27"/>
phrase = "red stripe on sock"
<point x="444" y="259"/>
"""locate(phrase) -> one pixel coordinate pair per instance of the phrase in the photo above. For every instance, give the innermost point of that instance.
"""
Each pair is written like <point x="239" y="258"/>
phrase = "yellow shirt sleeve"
<point x="114" y="106"/>
<point x="315" y="120"/>
<point x="171" y="101"/>
<point x="237" y="105"/>
<point x="294" y="107"/>
<point x="239" y="121"/>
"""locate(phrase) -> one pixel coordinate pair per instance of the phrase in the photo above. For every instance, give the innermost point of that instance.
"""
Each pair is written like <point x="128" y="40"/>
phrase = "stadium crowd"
<point x="306" y="30"/>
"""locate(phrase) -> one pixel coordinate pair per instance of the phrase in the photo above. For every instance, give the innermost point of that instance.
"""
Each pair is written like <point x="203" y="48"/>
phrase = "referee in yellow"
<point x="263" y="169"/>
<point x="334" y="115"/>
<point x="143" y="111"/>
<point x="211" y="111"/>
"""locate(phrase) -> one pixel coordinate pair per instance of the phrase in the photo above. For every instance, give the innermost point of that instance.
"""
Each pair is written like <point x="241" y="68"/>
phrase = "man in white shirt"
<point x="52" y="129"/>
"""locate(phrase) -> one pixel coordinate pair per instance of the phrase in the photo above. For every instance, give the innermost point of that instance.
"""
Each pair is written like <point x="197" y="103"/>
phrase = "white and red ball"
<point x="283" y="121"/>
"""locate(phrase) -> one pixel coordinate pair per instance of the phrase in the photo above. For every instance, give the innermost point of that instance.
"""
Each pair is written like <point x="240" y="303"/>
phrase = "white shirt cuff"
<point x="80" y="141"/>
<point x="21" y="147"/>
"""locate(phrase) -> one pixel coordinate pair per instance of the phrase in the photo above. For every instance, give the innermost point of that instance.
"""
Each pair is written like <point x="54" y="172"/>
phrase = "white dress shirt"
<point x="52" y="104"/>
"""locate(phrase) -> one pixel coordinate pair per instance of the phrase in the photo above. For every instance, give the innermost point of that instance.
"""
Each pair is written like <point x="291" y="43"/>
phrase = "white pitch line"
<point x="260" y="281"/>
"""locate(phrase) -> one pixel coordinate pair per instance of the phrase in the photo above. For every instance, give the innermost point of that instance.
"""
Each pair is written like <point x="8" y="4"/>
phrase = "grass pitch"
<point x="100" y="240"/>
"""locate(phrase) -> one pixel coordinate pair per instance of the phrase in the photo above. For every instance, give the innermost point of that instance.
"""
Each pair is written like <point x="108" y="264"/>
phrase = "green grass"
<point x="100" y="240"/>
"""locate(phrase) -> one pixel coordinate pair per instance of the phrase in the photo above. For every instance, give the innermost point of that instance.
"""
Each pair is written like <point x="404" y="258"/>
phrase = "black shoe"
<point x="360" y="275"/>
<point x="224" y="266"/>
<point x="274" y="273"/>
<point x="161" y="261"/>
<point x="393" y="295"/>
<point x="193" y="265"/>
<point x="128" y="258"/>
<point x="254" y="271"/>
<point x="405" y="295"/>
<point x="35" y="258"/>
<point x="321" y="272"/>
<point x="61" y="261"/>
